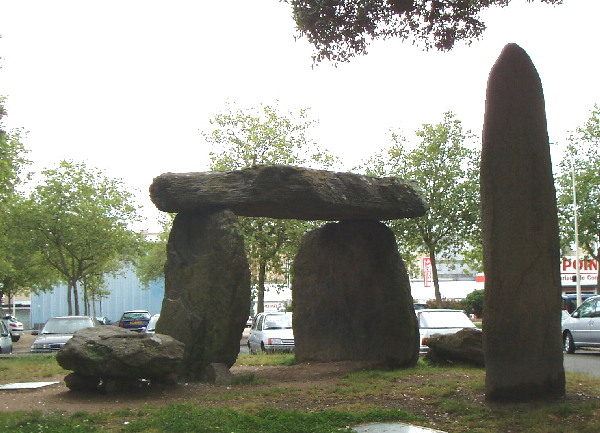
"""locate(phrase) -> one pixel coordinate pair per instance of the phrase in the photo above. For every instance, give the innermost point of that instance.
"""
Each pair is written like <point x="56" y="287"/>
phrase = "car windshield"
<point x="444" y="319"/>
<point x="65" y="326"/>
<point x="136" y="316"/>
<point x="278" y="321"/>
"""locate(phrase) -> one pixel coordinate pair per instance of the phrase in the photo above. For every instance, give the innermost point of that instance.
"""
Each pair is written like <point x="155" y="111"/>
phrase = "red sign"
<point x="427" y="273"/>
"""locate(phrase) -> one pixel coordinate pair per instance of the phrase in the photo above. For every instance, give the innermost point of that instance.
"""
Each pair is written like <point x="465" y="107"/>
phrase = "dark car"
<point x="135" y="320"/>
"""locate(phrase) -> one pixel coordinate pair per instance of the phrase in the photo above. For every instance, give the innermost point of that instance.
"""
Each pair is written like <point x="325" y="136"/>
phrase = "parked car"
<point x="151" y="328"/>
<point x="14" y="326"/>
<point x="5" y="338"/>
<point x="58" y="330"/>
<point x="103" y="320"/>
<point x="440" y="321"/>
<point x="271" y="332"/>
<point x="135" y="320"/>
<point x="582" y="328"/>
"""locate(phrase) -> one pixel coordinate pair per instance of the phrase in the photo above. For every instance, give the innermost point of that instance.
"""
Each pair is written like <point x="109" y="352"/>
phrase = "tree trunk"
<point x="69" y="300"/>
<point x="434" y="275"/>
<point x="260" y="298"/>
<point x="86" y="301"/>
<point x="76" y="298"/>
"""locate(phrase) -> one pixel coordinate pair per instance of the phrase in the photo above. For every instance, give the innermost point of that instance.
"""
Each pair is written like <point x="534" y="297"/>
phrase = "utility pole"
<point x="577" y="262"/>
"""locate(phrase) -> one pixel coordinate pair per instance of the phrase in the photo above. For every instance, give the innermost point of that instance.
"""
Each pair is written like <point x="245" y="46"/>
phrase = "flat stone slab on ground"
<point x="280" y="191"/>
<point x="396" y="427"/>
<point x="26" y="385"/>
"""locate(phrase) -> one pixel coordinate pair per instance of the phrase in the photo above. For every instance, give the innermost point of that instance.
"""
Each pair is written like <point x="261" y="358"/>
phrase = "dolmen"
<point x="351" y="291"/>
<point x="109" y="359"/>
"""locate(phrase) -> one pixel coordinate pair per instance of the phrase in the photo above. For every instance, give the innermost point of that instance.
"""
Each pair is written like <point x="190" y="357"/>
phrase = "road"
<point x="582" y="361"/>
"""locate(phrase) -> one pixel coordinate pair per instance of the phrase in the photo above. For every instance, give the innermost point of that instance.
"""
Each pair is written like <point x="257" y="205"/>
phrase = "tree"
<point x="21" y="267"/>
<point x="264" y="136"/>
<point x="581" y="160"/>
<point x="447" y="171"/>
<point x="341" y="29"/>
<point x="151" y="264"/>
<point x="474" y="303"/>
<point x="78" y="221"/>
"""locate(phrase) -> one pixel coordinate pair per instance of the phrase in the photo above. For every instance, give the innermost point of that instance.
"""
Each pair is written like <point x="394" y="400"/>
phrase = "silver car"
<point x="14" y="326"/>
<point x="5" y="339"/>
<point x="58" y="330"/>
<point x="582" y="329"/>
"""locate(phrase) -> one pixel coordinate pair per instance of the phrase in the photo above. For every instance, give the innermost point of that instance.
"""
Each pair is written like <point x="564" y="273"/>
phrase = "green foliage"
<point x="582" y="159"/>
<point x="341" y="29"/>
<point x="474" y="303"/>
<point x="150" y="265"/>
<point x="12" y="158"/>
<point x="451" y="304"/>
<point x="21" y="267"/>
<point x="266" y="136"/>
<point x="445" y="166"/>
<point x="78" y="221"/>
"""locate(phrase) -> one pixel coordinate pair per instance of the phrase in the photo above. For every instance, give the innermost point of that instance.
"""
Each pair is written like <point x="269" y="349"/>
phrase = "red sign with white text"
<point x="427" y="273"/>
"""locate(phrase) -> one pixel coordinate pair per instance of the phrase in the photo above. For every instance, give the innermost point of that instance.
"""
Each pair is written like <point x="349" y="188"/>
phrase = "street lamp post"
<point x="577" y="263"/>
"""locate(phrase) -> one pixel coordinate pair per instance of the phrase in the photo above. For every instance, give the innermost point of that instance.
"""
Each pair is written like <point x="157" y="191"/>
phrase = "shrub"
<point x="474" y="303"/>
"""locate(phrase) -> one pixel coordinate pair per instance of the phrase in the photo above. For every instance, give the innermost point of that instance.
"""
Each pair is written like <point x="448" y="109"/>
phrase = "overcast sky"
<point x="127" y="86"/>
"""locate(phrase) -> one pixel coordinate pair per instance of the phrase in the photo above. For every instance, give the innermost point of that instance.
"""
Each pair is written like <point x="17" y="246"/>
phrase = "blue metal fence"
<point x="126" y="293"/>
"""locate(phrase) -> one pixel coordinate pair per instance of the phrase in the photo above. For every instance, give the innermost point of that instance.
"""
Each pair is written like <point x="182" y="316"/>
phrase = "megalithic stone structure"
<point x="522" y="333"/>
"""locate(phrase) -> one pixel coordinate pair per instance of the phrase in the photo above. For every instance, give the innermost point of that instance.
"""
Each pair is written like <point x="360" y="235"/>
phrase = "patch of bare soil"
<point x="58" y="398"/>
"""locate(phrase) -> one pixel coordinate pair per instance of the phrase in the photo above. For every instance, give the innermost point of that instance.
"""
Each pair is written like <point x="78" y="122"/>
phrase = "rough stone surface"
<point x="465" y="346"/>
<point x="207" y="290"/>
<point x="522" y="336"/>
<point x="101" y="354"/>
<point x="219" y="374"/>
<point x="289" y="192"/>
<point x="351" y="297"/>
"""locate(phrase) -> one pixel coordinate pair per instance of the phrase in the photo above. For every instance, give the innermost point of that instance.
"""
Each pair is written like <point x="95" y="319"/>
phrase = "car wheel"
<point x="262" y="348"/>
<point x="569" y="345"/>
<point x="15" y="338"/>
<point x="250" y="351"/>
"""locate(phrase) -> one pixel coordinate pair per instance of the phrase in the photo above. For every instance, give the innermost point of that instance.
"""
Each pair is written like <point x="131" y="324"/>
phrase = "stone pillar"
<point x="522" y="333"/>
<point x="207" y="290"/>
<point x="351" y="295"/>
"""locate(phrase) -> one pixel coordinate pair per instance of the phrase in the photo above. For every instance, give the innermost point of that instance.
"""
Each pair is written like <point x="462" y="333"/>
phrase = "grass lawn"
<point x="444" y="398"/>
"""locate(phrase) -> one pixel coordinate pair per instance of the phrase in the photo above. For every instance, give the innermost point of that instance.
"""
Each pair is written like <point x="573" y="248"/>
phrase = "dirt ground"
<point x="303" y="387"/>
<point x="297" y="387"/>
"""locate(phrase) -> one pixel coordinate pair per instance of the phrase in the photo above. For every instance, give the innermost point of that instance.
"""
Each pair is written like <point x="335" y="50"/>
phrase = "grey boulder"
<point x="106" y="357"/>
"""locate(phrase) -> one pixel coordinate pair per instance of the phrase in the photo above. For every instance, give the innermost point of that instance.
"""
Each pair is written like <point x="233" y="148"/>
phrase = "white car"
<point x="440" y="321"/>
<point x="151" y="328"/>
<point x="271" y="332"/>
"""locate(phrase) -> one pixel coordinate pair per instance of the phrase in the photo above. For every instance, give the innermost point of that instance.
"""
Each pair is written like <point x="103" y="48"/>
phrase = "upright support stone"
<point x="352" y="298"/>
<point x="207" y="290"/>
<point x="522" y="333"/>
